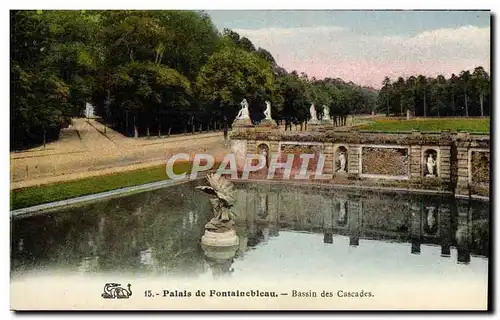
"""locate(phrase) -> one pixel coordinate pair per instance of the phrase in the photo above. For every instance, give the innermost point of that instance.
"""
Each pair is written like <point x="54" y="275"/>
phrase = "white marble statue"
<point x="267" y="112"/>
<point x="244" y="113"/>
<point x="342" y="161"/>
<point x="264" y="153"/>
<point x="326" y="113"/>
<point x="431" y="164"/>
<point x="312" y="110"/>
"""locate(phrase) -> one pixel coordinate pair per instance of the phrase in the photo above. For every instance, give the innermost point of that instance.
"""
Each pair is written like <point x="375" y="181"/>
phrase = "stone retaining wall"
<point x="461" y="161"/>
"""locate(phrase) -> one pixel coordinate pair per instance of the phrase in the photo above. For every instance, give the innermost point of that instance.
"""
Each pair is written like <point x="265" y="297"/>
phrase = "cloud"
<point x="332" y="51"/>
<point x="266" y="32"/>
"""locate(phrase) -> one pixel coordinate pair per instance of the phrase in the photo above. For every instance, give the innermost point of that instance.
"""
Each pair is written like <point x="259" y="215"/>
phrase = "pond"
<point x="287" y="233"/>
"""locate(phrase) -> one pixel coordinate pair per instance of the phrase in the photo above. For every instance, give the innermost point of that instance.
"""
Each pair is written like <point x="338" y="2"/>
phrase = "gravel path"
<point x="84" y="150"/>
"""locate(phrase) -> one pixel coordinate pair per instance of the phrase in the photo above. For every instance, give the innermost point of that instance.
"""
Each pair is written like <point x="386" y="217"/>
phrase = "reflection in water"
<point x="220" y="260"/>
<point x="159" y="232"/>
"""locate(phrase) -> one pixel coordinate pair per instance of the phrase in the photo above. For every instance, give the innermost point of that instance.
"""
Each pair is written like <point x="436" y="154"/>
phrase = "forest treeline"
<point x="466" y="94"/>
<point x="152" y="73"/>
<point x="161" y="72"/>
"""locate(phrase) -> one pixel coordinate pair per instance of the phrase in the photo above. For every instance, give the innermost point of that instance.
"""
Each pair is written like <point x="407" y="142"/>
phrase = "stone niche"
<point x="263" y="148"/>
<point x="430" y="162"/>
<point x="341" y="159"/>
<point x="385" y="161"/>
<point x="479" y="167"/>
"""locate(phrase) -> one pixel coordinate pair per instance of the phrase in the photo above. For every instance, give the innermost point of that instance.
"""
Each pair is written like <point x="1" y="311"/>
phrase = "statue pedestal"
<point x="242" y="123"/>
<point x="315" y="125"/>
<point x="220" y="239"/>
<point x="268" y="123"/>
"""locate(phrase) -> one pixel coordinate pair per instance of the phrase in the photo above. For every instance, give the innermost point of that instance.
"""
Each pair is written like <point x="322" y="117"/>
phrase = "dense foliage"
<point x="161" y="72"/>
<point x="467" y="94"/>
<point x="152" y="72"/>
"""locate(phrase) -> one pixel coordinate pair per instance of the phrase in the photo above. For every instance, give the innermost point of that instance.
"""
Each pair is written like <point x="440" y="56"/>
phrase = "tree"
<point x="153" y="70"/>
<point x="421" y="88"/>
<point x="411" y="93"/>
<point x="233" y="74"/>
<point x="385" y="94"/>
<point x="296" y="97"/>
<point x="480" y="78"/>
<point x="50" y="81"/>
<point x="465" y="78"/>
<point x="266" y="55"/>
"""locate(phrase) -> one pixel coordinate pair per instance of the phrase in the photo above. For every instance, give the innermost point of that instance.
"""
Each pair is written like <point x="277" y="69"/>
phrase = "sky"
<point x="365" y="46"/>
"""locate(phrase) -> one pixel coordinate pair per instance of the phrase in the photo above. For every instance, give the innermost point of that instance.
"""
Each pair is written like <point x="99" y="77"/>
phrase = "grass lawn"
<point x="27" y="197"/>
<point x="453" y="124"/>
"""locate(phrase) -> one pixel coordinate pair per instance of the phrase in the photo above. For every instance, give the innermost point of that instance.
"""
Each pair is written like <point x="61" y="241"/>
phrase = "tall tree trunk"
<point x="466" y="106"/>
<point x="126" y="123"/>
<point x="44" y="137"/>
<point x="481" y="98"/>
<point x="387" y="102"/>
<point x="159" y="129"/>
<point x="453" y="107"/>
<point x="169" y="130"/>
<point x="425" y="105"/>
<point x="136" y="132"/>
<point x="147" y="131"/>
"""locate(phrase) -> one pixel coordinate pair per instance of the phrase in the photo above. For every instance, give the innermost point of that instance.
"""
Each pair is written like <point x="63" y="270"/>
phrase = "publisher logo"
<point x="116" y="291"/>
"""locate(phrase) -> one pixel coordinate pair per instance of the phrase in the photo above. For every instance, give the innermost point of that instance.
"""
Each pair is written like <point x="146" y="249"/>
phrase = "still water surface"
<point x="286" y="232"/>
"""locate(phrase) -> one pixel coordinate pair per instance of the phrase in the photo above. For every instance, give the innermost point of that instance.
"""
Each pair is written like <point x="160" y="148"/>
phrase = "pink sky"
<point x="366" y="60"/>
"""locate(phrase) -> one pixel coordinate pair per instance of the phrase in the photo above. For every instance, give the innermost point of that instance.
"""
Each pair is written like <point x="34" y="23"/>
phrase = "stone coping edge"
<point x="358" y="187"/>
<point x="170" y="182"/>
<point x="99" y="196"/>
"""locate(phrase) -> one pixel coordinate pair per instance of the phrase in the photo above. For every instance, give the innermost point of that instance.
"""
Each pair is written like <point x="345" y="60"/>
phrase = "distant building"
<point x="89" y="110"/>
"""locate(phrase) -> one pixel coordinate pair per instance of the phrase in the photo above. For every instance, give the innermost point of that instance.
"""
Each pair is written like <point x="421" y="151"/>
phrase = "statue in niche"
<point x="431" y="165"/>
<point x="222" y="188"/>
<point x="312" y="110"/>
<point x="244" y="112"/>
<point x="326" y="113"/>
<point x="263" y="150"/>
<point x="267" y="112"/>
<point x="342" y="161"/>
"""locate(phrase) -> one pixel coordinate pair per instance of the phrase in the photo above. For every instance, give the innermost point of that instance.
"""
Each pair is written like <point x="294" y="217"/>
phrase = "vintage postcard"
<point x="250" y="160"/>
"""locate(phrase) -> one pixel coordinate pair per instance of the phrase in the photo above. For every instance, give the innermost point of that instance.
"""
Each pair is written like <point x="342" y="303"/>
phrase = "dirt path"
<point x="84" y="150"/>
